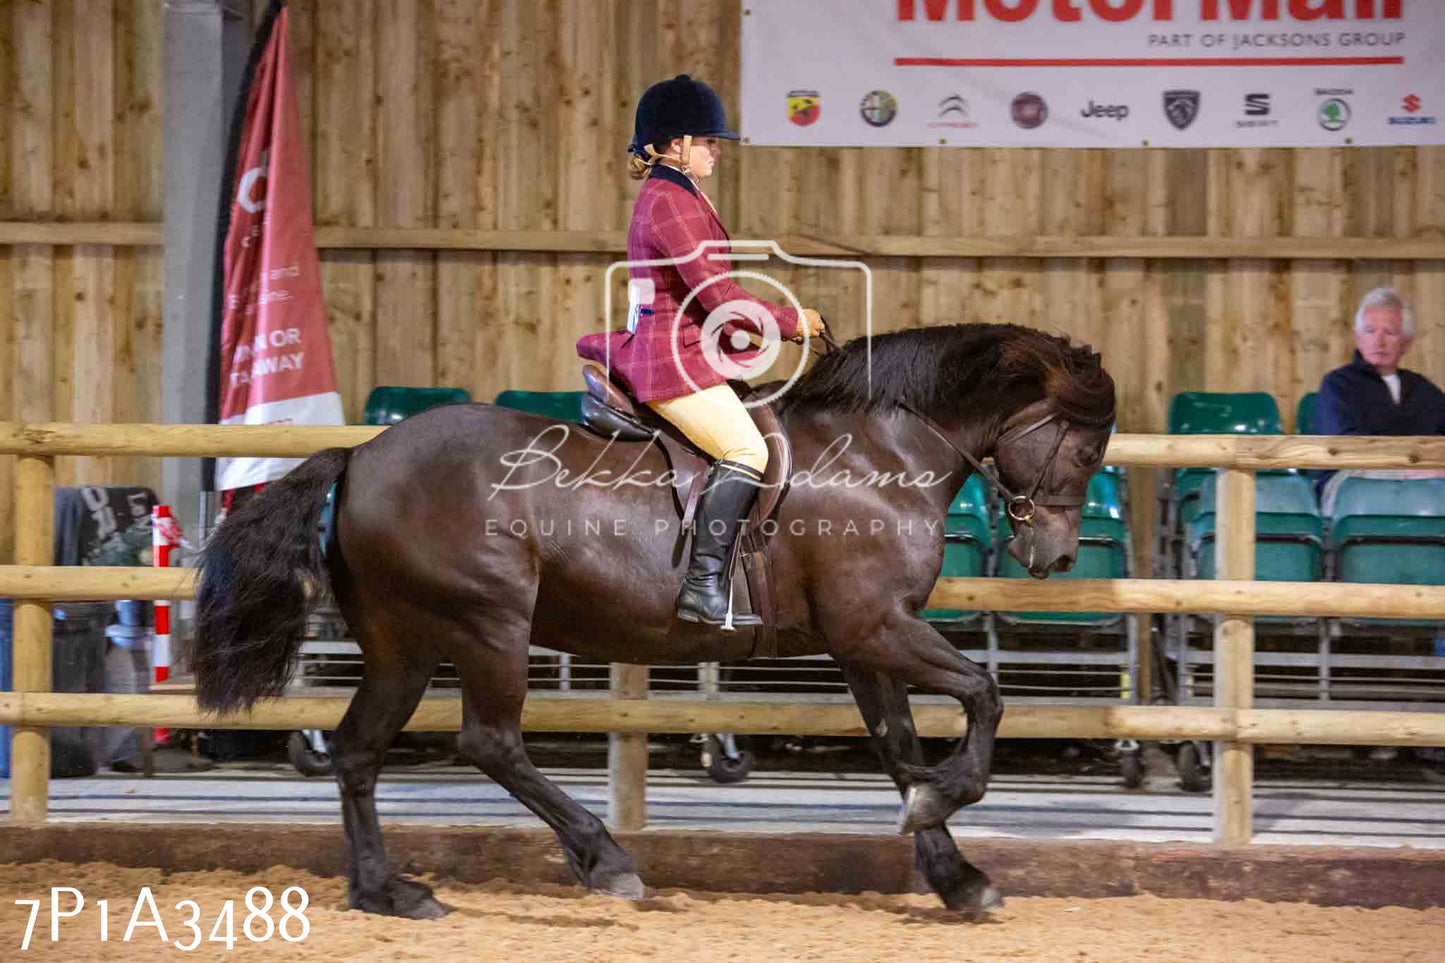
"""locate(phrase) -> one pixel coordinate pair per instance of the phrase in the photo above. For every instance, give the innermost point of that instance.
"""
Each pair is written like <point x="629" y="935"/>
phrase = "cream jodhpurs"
<point x="716" y="421"/>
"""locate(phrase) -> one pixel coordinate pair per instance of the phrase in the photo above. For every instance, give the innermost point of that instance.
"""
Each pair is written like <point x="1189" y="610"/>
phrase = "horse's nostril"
<point x="1064" y="563"/>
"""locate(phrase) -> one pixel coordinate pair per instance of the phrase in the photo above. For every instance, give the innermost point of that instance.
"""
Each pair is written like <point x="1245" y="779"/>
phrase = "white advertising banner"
<point x="1093" y="73"/>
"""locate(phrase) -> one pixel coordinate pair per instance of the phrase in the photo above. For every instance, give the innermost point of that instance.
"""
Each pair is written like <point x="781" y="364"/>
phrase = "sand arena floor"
<point x="496" y="922"/>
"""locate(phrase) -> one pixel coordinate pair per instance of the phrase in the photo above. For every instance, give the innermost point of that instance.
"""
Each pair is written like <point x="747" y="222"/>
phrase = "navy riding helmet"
<point x="677" y="108"/>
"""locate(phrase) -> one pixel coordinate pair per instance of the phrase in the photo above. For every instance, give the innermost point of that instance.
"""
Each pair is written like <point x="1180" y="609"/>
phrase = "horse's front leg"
<point x="883" y="703"/>
<point x="909" y="650"/>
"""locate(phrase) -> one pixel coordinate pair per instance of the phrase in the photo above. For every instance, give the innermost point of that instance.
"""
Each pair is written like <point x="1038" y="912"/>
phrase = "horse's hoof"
<point x="404" y="898"/>
<point x="923" y="808"/>
<point x="991" y="900"/>
<point x="622" y="885"/>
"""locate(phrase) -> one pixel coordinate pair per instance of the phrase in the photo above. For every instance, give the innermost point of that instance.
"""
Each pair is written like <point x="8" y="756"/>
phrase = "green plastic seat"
<point x="1305" y="417"/>
<point x="968" y="538"/>
<point x="1289" y="532"/>
<point x="1224" y="413"/>
<point x="1103" y="553"/>
<point x="1216" y="413"/>
<point x="1389" y="531"/>
<point x="561" y="405"/>
<point x="388" y="404"/>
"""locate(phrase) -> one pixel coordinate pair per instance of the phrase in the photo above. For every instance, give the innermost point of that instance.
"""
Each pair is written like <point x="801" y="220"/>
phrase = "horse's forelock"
<point x="1080" y="387"/>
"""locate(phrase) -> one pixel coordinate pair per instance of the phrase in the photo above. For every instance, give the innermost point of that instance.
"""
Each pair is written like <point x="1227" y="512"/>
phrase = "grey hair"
<point x="1386" y="297"/>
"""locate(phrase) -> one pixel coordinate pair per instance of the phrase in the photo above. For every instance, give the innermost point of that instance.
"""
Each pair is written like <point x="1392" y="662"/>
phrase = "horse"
<point x="470" y="532"/>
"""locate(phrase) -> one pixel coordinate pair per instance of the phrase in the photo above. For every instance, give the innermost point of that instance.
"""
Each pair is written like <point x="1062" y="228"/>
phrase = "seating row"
<point x="1377" y="530"/>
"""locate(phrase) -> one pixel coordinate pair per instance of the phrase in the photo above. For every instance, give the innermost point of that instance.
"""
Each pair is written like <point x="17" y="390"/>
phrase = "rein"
<point x="1020" y="508"/>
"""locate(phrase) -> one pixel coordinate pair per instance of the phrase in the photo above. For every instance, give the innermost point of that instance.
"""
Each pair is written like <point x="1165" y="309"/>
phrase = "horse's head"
<point x="1046" y="462"/>
<point x="1042" y="406"/>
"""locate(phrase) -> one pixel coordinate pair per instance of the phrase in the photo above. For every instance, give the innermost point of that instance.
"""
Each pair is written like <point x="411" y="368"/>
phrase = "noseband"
<point x="1020" y="508"/>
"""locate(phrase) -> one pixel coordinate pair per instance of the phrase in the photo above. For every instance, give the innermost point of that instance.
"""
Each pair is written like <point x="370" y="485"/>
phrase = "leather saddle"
<point x="608" y="411"/>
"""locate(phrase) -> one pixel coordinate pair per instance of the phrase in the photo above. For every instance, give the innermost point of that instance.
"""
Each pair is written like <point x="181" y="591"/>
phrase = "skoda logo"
<point x="1334" y="114"/>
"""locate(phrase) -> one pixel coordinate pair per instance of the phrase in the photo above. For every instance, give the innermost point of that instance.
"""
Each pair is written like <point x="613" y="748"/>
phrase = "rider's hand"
<point x="811" y="322"/>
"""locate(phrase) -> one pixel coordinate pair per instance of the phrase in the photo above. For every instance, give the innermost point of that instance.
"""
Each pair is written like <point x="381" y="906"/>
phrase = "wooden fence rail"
<point x="442" y="713"/>
<point x="1233" y="724"/>
<point x="1362" y="601"/>
<point x="1070" y="246"/>
<point x="1249" y="452"/>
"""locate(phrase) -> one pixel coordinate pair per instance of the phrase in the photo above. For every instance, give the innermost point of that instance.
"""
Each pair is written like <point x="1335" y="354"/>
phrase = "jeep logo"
<point x="1116" y="111"/>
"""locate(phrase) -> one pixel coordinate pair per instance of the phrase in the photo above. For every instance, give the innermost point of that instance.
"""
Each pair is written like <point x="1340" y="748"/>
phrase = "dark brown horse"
<point x="470" y="532"/>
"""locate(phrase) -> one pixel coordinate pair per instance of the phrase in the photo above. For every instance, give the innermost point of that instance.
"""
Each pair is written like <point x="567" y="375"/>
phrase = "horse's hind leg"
<point x="883" y="703"/>
<point x="494" y="680"/>
<point x="392" y="684"/>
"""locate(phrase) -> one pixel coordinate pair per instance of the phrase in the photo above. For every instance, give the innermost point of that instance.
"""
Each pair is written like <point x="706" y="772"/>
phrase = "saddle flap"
<point x="610" y="422"/>
<point x="599" y="386"/>
<point x="780" y="462"/>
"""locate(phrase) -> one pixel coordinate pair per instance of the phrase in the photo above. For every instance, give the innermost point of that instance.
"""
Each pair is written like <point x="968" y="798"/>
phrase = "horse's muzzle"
<point x="1061" y="564"/>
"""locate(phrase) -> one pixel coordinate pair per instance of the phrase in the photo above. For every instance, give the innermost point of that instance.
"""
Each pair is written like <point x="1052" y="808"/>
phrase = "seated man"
<point x="1373" y="395"/>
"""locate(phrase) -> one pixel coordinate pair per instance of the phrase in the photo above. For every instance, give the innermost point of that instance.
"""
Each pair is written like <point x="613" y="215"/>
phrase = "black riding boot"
<point x="725" y="503"/>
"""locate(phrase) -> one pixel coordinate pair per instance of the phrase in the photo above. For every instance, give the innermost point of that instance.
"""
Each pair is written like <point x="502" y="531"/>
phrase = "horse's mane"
<point x="941" y="371"/>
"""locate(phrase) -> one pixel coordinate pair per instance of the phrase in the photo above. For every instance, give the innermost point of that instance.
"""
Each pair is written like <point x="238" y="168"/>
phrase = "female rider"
<point x="660" y="358"/>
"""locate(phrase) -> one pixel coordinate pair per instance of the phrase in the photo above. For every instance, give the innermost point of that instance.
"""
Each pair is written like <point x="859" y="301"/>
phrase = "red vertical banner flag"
<point x="275" y="355"/>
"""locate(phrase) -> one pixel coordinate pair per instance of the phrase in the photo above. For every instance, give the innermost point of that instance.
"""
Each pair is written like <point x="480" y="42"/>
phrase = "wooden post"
<point x="1234" y="659"/>
<point x="627" y="756"/>
<point x="30" y="745"/>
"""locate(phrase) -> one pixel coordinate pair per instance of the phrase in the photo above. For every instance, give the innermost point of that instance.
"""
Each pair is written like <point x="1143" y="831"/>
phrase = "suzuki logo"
<point x="1411" y="103"/>
<point x="1256" y="105"/>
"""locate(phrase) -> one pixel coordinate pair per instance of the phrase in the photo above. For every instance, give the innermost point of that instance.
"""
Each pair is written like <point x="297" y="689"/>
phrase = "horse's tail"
<point x="261" y="572"/>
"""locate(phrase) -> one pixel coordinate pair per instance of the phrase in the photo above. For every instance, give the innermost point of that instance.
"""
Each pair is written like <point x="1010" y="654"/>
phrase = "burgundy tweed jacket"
<point x="671" y="220"/>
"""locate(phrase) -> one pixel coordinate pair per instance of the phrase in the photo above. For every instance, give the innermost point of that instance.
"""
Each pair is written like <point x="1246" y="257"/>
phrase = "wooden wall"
<point x="512" y="116"/>
<point x="80" y="140"/>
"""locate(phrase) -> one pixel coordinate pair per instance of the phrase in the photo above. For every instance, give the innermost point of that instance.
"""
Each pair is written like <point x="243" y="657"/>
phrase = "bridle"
<point x="1020" y="508"/>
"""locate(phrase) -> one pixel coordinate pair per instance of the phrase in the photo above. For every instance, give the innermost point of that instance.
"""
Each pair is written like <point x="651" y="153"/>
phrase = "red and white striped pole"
<point x="161" y="543"/>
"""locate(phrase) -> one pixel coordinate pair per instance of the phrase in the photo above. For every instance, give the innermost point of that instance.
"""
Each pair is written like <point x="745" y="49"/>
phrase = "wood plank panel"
<point x="29" y="74"/>
<point x="8" y="391"/>
<point x="8" y="108"/>
<point x="85" y="179"/>
<point x="138" y="182"/>
<point x="461" y="91"/>
<point x="1320" y="313"/>
<point x="348" y="283"/>
<point x="346" y="188"/>
<point x="405" y="184"/>
<point x="529" y="200"/>
<point x="943" y="283"/>
<point x="1428" y="354"/>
